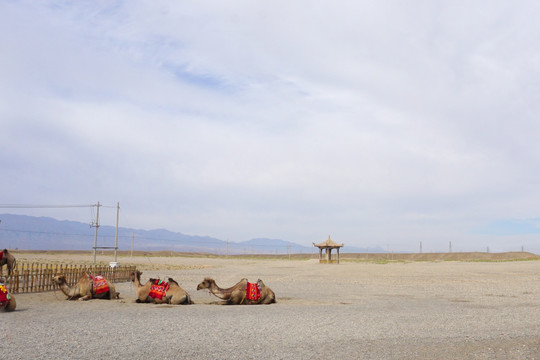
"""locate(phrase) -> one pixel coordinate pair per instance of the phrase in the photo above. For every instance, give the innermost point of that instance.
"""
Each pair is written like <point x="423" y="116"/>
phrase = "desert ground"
<point x="354" y="310"/>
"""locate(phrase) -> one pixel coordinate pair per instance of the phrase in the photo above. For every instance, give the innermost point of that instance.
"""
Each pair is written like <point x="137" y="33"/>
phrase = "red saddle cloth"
<point x="4" y="295"/>
<point x="253" y="291"/>
<point x="1" y="254"/>
<point x="159" y="289"/>
<point x="100" y="284"/>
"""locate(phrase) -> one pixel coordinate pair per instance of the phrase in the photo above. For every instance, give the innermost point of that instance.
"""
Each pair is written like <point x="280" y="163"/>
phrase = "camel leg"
<point x="268" y="300"/>
<point x="113" y="294"/>
<point x="177" y="300"/>
<point x="11" y="305"/>
<point x="86" y="297"/>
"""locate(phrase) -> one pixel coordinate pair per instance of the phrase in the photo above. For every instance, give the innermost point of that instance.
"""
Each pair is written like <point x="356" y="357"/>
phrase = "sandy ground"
<point x="354" y="310"/>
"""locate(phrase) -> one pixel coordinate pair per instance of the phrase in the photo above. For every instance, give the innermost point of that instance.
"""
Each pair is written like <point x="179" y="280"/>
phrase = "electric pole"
<point x="116" y="235"/>
<point x="96" y="225"/>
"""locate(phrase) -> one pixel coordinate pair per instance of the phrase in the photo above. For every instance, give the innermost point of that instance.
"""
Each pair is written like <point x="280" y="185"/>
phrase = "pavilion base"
<point x="324" y="261"/>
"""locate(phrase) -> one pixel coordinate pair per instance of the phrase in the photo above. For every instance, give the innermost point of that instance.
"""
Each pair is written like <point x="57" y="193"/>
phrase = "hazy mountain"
<point x="45" y="233"/>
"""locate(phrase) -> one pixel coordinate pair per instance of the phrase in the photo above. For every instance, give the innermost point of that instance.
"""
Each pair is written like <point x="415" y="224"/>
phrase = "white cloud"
<point x="376" y="123"/>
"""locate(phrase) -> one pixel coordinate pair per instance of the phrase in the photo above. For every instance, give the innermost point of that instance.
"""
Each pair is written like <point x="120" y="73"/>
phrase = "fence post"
<point x="31" y="277"/>
<point x="17" y="280"/>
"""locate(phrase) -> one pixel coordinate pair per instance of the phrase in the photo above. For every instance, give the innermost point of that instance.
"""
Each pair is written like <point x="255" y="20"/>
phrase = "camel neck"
<point x="219" y="292"/>
<point x="66" y="289"/>
<point x="137" y="281"/>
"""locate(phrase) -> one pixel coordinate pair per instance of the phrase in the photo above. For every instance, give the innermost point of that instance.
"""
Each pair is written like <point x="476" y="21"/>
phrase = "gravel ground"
<point x="423" y="310"/>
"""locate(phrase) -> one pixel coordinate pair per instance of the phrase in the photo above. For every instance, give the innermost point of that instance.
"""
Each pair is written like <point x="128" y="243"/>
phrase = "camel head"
<point x="135" y="274"/>
<point x="206" y="284"/>
<point x="59" y="279"/>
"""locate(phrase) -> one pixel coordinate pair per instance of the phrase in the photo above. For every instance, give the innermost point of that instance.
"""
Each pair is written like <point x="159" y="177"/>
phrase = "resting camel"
<point x="7" y="258"/>
<point x="7" y="301"/>
<point x="84" y="289"/>
<point x="174" y="294"/>
<point x="236" y="295"/>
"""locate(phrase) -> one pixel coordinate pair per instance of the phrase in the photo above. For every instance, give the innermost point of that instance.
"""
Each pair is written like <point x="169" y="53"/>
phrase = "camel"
<point x="174" y="295"/>
<point x="7" y="259"/>
<point x="236" y="295"/>
<point x="84" y="289"/>
<point x="7" y="300"/>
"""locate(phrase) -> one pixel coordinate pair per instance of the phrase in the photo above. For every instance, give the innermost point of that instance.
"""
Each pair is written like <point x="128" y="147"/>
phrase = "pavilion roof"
<point x="329" y="243"/>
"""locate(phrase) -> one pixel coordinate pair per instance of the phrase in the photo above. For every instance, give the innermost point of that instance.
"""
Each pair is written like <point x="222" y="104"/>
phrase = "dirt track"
<point x="435" y="310"/>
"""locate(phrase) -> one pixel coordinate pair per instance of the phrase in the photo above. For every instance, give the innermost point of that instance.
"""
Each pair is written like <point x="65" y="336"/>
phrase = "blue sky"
<point x="379" y="124"/>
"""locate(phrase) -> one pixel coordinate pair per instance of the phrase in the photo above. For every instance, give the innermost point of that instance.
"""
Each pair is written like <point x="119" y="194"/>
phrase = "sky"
<point x="381" y="124"/>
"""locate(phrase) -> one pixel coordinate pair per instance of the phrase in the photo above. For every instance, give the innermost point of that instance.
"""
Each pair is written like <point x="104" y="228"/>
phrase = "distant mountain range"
<point x="45" y="233"/>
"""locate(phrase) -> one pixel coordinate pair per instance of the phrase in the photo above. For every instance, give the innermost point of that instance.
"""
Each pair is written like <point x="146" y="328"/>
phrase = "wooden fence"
<point x="35" y="277"/>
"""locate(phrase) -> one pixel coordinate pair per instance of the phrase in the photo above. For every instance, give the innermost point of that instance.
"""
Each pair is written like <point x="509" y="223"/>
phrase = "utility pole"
<point x="116" y="235"/>
<point x="96" y="225"/>
<point x="450" y="247"/>
<point x="420" y="247"/>
<point x="289" y="250"/>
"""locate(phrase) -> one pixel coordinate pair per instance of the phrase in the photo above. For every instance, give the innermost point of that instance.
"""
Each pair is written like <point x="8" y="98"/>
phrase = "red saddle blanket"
<point x="4" y="296"/>
<point x="159" y="289"/>
<point x="100" y="284"/>
<point x="1" y="254"/>
<point x="253" y="291"/>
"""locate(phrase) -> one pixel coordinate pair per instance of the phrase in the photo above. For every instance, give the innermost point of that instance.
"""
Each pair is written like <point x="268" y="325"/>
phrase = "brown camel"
<point x="84" y="289"/>
<point x="7" y="259"/>
<point x="173" y="295"/>
<point x="237" y="294"/>
<point x="7" y="300"/>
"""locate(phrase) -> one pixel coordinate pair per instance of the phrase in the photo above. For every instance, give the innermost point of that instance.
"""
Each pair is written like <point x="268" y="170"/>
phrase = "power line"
<point x="43" y="232"/>
<point x="26" y="206"/>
